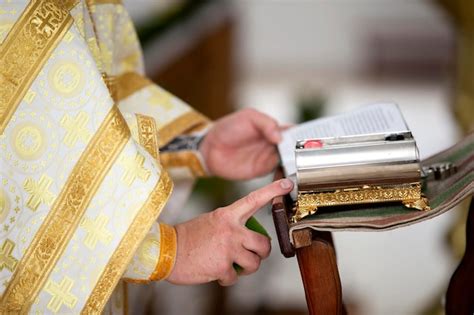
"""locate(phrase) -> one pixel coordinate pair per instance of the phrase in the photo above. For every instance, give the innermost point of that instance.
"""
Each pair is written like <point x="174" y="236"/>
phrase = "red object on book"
<point x="313" y="144"/>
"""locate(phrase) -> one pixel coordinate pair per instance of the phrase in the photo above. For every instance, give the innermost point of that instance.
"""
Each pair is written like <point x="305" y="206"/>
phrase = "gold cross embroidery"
<point x="43" y="23"/>
<point x="76" y="128"/>
<point x="61" y="294"/>
<point x="147" y="133"/>
<point x="96" y="231"/>
<point x="133" y="169"/>
<point x="6" y="258"/>
<point x="39" y="192"/>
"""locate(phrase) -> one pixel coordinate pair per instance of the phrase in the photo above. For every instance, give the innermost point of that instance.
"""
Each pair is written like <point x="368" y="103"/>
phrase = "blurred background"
<point x="301" y="59"/>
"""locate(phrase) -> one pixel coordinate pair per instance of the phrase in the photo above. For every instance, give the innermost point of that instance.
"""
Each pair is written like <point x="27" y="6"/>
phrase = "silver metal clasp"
<point x="439" y="171"/>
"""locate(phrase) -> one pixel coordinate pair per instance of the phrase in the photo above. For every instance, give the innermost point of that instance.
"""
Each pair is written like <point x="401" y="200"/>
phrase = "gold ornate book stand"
<point x="408" y="194"/>
<point x="364" y="169"/>
<point x="446" y="179"/>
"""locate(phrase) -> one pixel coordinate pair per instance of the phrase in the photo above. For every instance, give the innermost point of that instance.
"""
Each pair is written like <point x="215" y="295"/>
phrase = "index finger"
<point x="250" y="204"/>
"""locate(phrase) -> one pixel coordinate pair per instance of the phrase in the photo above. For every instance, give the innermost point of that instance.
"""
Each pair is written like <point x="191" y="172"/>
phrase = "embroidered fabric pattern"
<point x="128" y="245"/>
<point x="147" y="134"/>
<point x="66" y="213"/>
<point x="27" y="48"/>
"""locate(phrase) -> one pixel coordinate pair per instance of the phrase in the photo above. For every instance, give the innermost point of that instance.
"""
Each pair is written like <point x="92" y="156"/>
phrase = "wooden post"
<point x="319" y="273"/>
<point x="460" y="295"/>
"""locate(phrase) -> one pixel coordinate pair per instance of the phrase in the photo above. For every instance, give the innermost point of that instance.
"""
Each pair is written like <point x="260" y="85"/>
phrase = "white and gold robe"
<point x="81" y="178"/>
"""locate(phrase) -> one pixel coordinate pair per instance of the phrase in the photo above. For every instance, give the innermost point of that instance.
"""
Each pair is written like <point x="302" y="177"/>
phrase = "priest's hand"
<point x="209" y="244"/>
<point x="242" y="145"/>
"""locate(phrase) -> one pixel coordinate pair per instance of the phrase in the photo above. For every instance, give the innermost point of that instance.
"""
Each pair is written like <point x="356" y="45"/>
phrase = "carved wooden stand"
<point x="316" y="260"/>
<point x="318" y="267"/>
<point x="460" y="295"/>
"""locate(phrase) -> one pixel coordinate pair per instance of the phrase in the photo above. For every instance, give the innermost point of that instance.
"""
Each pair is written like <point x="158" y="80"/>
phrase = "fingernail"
<point x="286" y="183"/>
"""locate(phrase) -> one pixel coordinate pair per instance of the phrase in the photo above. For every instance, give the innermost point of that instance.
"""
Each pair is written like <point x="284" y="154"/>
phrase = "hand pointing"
<point x="209" y="244"/>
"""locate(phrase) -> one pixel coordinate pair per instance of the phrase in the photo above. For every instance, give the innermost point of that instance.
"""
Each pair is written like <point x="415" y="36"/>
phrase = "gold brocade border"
<point x="198" y="128"/>
<point x="111" y="83"/>
<point x="94" y="2"/>
<point x="65" y="214"/>
<point x="129" y="83"/>
<point x="137" y="281"/>
<point x="179" y="126"/>
<point x="167" y="253"/>
<point x="128" y="245"/>
<point x="147" y="134"/>
<point x="27" y="48"/>
<point x="187" y="159"/>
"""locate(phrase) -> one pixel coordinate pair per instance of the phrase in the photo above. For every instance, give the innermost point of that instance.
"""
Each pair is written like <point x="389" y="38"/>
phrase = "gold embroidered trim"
<point x="128" y="245"/>
<point x="148" y="135"/>
<point x="129" y="83"/>
<point x="27" y="48"/>
<point x="137" y="281"/>
<point x="111" y="82"/>
<point x="183" y="159"/>
<point x="167" y="253"/>
<point x="65" y="214"/>
<point x="179" y="126"/>
<point x="94" y="2"/>
<point x="198" y="128"/>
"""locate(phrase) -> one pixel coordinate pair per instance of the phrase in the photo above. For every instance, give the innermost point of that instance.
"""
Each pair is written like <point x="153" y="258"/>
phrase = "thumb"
<point x="250" y="204"/>
<point x="266" y="125"/>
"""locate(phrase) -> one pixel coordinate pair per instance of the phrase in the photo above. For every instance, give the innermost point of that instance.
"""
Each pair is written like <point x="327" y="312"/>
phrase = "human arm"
<point x="208" y="245"/>
<point x="142" y="102"/>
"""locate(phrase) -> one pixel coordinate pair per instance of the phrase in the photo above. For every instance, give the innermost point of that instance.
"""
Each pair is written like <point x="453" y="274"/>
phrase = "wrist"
<point x="184" y="152"/>
<point x="203" y="150"/>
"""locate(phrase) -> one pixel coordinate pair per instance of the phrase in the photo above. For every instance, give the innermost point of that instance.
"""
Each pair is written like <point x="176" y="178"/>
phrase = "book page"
<point x="376" y="118"/>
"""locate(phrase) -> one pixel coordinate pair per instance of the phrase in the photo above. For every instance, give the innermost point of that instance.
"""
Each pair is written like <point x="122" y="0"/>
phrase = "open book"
<point x="376" y="118"/>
